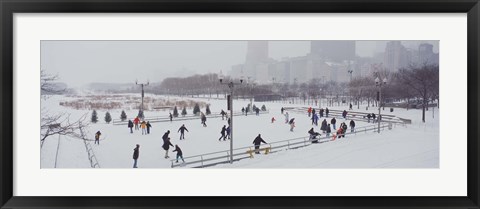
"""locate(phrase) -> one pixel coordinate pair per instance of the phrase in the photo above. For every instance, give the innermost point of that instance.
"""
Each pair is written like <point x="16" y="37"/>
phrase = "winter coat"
<point x="329" y="130"/>
<point x="309" y="110"/>
<point x="130" y="124"/>
<point x="315" y="117"/>
<point x="291" y="121"/>
<point x="165" y="135"/>
<point x="369" y="116"/>
<point x="333" y="121"/>
<point x="166" y="144"/>
<point x="178" y="150"/>
<point x="97" y="135"/>
<point x="352" y="124"/>
<point x="143" y="125"/>
<point x="228" y="130"/>
<point x="135" y="153"/>
<point x="136" y="120"/>
<point x="311" y="131"/>
<point x="373" y="115"/>
<point x="182" y="129"/>
<point x="327" y="111"/>
<point x="149" y="125"/>
<point x="344" y="127"/>
<point x="344" y="114"/>
<point x="258" y="140"/>
<point x="223" y="130"/>
<point x="324" y="125"/>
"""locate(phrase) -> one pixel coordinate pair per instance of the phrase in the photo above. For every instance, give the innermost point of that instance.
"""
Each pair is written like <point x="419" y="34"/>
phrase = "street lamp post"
<point x="231" y="86"/>
<point x="143" y="93"/>
<point x="379" y="85"/>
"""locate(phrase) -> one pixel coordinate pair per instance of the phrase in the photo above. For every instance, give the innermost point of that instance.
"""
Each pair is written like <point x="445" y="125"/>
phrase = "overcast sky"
<point x="78" y="63"/>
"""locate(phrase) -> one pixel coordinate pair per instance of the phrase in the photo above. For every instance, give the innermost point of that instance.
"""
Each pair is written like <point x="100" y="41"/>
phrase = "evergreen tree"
<point x="184" y="111"/>
<point x="123" y="115"/>
<point x="140" y="114"/>
<point x="264" y="108"/>
<point x="108" y="117"/>
<point x="196" y="109"/>
<point x="207" y="111"/>
<point x="94" y="116"/>
<point x="175" y="112"/>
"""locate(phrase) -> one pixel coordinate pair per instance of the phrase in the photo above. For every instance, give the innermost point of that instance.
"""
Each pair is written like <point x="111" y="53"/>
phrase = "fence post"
<point x="201" y="160"/>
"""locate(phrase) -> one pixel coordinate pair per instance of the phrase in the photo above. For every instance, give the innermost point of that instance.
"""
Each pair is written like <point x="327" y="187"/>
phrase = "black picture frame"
<point x="9" y="7"/>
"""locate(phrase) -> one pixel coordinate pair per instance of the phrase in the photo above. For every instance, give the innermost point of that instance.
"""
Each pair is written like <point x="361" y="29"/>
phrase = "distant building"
<point x="257" y="53"/>
<point x="426" y="54"/>
<point x="334" y="51"/>
<point x="396" y="56"/>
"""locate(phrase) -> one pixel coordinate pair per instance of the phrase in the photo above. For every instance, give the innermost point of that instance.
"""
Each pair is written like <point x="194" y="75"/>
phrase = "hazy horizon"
<point x="78" y="63"/>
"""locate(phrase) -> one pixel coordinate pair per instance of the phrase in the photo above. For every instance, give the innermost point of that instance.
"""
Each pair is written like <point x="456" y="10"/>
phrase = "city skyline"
<point x="78" y="63"/>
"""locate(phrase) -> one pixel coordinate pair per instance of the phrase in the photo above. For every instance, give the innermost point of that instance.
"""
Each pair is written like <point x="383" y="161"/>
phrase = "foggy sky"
<point x="78" y="63"/>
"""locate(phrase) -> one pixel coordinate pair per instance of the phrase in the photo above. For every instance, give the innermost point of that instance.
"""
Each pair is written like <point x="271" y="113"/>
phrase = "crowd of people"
<point x="328" y="127"/>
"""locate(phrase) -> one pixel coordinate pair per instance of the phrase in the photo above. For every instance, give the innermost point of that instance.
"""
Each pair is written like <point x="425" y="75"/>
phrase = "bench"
<point x="251" y="151"/>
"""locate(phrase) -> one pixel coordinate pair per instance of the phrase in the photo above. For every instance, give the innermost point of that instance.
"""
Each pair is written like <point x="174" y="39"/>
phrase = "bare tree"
<point x="56" y="124"/>
<point x="423" y="81"/>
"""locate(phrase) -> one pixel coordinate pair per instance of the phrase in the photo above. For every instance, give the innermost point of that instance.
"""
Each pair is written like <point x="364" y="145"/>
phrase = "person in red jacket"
<point x="136" y="121"/>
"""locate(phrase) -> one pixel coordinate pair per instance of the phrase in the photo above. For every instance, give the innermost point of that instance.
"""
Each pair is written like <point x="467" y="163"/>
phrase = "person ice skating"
<point x="204" y="120"/>
<point x="314" y="118"/>
<point x="351" y="107"/>
<point x="257" y="111"/>
<point x="135" y="155"/>
<point x="228" y="132"/>
<point x="143" y="126"/>
<point x="130" y="125"/>
<point x="344" y="114"/>
<point x="179" y="153"/>
<point x="166" y="143"/>
<point x="97" y="137"/>
<point x="292" y="124"/>
<point x="368" y="117"/>
<point x="309" y="111"/>
<point x="344" y="129"/>
<point x="373" y="117"/>
<point x="282" y="110"/>
<point x="313" y="111"/>
<point x="313" y="135"/>
<point x="333" y="122"/>
<point x="136" y="121"/>
<point x="286" y="117"/>
<point x="273" y="119"/>
<point x="148" y="127"/>
<point x="324" y="126"/>
<point x="321" y="112"/>
<point x="223" y="114"/>
<point x="171" y="117"/>
<point x="223" y="132"/>
<point x="339" y="132"/>
<point x="243" y="110"/>
<point x="182" y="130"/>
<point x="228" y="121"/>
<point x="352" y="126"/>
<point x="257" y="141"/>
<point x="326" y="112"/>
<point x="329" y="130"/>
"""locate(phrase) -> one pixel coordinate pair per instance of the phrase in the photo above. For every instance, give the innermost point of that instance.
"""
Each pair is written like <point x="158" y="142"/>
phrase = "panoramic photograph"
<point x="253" y="104"/>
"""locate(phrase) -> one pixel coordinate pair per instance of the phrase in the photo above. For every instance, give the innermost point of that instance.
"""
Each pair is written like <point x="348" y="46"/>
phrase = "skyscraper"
<point x="257" y="53"/>
<point x="336" y="51"/>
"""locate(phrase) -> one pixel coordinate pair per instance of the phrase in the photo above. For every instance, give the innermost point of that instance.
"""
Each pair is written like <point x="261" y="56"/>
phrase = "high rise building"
<point x="257" y="53"/>
<point x="335" y="51"/>
<point x="396" y="56"/>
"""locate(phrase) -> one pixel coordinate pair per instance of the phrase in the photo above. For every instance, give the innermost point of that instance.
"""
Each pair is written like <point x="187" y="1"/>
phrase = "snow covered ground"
<point x="413" y="146"/>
